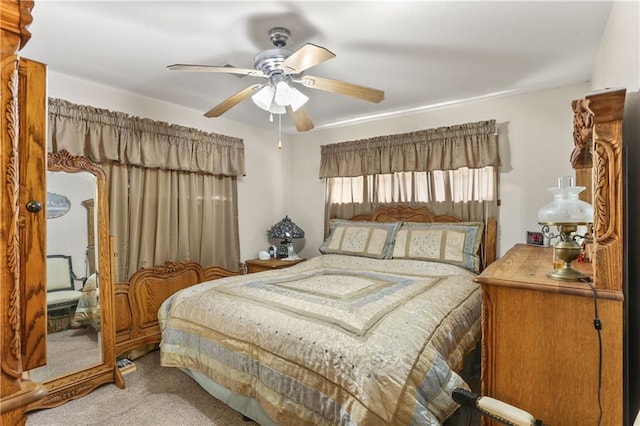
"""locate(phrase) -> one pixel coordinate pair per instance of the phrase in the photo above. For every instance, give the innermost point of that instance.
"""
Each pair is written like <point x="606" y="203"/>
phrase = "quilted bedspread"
<point x="333" y="340"/>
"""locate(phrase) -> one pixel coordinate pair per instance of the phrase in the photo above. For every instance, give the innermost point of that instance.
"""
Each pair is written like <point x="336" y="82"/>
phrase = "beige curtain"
<point x="450" y="170"/>
<point x="103" y="136"/>
<point x="172" y="190"/>
<point x="472" y="145"/>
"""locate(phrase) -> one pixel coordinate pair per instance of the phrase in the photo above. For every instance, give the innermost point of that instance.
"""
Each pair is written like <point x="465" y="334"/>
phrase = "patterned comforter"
<point x="333" y="340"/>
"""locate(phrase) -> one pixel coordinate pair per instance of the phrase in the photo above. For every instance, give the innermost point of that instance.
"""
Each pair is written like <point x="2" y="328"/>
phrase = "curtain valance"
<point x="106" y="136"/>
<point x="472" y="145"/>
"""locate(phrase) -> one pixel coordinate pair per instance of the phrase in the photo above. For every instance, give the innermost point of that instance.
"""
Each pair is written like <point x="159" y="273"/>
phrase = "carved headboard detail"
<point x="138" y="301"/>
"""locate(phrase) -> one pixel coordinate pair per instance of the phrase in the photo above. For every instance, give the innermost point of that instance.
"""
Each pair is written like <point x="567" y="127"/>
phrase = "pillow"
<point x="90" y="283"/>
<point x="456" y="243"/>
<point x="367" y="239"/>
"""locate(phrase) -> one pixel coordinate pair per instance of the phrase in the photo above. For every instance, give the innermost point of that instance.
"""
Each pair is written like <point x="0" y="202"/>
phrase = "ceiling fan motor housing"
<point x="270" y="61"/>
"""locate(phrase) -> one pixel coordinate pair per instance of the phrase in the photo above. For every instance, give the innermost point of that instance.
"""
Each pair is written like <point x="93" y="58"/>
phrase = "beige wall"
<point x="618" y="62"/>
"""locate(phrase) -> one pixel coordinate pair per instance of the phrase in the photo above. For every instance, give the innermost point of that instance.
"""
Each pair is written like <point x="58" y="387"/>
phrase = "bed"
<point x="372" y="331"/>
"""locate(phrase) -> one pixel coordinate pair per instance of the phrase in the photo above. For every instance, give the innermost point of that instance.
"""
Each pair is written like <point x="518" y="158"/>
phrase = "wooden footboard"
<point x="137" y="301"/>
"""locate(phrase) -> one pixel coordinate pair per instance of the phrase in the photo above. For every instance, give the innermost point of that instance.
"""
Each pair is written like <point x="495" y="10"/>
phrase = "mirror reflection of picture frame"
<point x="57" y="205"/>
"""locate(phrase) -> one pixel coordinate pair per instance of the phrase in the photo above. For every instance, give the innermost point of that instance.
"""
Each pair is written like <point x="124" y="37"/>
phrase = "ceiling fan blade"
<point x="306" y="57"/>
<point x="300" y="118"/>
<point x="232" y="101"/>
<point x="213" y="68"/>
<point x="342" y="88"/>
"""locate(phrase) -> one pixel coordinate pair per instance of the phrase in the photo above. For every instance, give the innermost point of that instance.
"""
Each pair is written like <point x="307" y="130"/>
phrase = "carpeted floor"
<point x="149" y="399"/>
<point x="67" y="351"/>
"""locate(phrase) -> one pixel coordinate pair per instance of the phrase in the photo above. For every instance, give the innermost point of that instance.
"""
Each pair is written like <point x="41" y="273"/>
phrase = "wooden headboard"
<point x="400" y="213"/>
<point x="138" y="301"/>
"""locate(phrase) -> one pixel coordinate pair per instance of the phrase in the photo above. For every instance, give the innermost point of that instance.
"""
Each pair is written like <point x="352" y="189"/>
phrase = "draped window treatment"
<point x="172" y="189"/>
<point x="450" y="170"/>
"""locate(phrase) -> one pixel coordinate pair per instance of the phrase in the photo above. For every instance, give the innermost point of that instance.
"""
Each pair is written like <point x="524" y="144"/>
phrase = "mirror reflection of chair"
<point x="62" y="297"/>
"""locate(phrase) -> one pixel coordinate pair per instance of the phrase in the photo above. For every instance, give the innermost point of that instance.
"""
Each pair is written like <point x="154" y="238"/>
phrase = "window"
<point x="462" y="185"/>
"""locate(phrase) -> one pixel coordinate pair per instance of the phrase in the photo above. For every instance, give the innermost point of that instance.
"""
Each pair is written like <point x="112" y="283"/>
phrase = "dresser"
<point x="257" y="265"/>
<point x="540" y="347"/>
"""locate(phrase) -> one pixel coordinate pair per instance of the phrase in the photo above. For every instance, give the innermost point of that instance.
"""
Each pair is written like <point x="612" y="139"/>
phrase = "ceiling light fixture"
<point x="265" y="99"/>
<point x="276" y="96"/>
<point x="286" y="95"/>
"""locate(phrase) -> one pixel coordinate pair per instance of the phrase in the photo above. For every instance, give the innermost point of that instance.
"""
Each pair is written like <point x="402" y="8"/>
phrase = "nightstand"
<point x="257" y="265"/>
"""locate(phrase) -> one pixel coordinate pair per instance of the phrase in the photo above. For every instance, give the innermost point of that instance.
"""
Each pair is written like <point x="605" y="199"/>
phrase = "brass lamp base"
<point x="566" y="273"/>
<point x="567" y="251"/>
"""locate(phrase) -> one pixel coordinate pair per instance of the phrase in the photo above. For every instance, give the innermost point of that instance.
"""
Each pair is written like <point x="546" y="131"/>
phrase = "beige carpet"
<point x="67" y="351"/>
<point x="153" y="396"/>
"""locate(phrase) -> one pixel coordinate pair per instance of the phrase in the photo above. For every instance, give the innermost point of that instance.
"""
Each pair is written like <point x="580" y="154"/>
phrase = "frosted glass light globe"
<point x="566" y="207"/>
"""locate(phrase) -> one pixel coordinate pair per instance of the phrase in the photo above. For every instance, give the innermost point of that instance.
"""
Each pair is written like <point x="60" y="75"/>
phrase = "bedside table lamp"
<point x="286" y="230"/>
<point x="566" y="212"/>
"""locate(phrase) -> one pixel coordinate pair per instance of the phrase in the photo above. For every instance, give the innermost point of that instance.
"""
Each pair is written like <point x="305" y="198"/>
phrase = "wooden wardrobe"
<point x="22" y="222"/>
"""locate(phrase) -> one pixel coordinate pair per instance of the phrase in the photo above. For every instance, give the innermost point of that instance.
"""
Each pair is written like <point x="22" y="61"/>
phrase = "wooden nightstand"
<point x="257" y="265"/>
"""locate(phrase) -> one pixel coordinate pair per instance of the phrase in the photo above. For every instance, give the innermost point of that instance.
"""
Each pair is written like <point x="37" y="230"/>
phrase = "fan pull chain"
<point x="279" y="131"/>
<point x="271" y="117"/>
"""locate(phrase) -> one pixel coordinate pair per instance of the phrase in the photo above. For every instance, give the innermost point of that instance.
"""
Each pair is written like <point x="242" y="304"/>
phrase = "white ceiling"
<point x="420" y="53"/>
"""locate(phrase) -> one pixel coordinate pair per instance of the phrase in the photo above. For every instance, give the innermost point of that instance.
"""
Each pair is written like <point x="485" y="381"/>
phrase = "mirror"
<point x="73" y="323"/>
<point x="80" y="326"/>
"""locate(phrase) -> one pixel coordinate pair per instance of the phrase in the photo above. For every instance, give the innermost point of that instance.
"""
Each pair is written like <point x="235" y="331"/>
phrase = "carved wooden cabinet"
<point x="22" y="222"/>
<point x="24" y="342"/>
<point x="540" y="349"/>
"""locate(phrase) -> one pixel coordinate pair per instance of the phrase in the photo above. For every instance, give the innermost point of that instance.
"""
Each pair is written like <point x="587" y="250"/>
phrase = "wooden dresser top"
<point x="526" y="266"/>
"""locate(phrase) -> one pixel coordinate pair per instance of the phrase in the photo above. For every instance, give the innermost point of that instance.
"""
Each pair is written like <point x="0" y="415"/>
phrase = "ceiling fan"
<point x="283" y="69"/>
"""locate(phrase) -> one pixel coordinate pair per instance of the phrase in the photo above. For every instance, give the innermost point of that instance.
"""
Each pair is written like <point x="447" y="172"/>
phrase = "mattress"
<point x="334" y="340"/>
